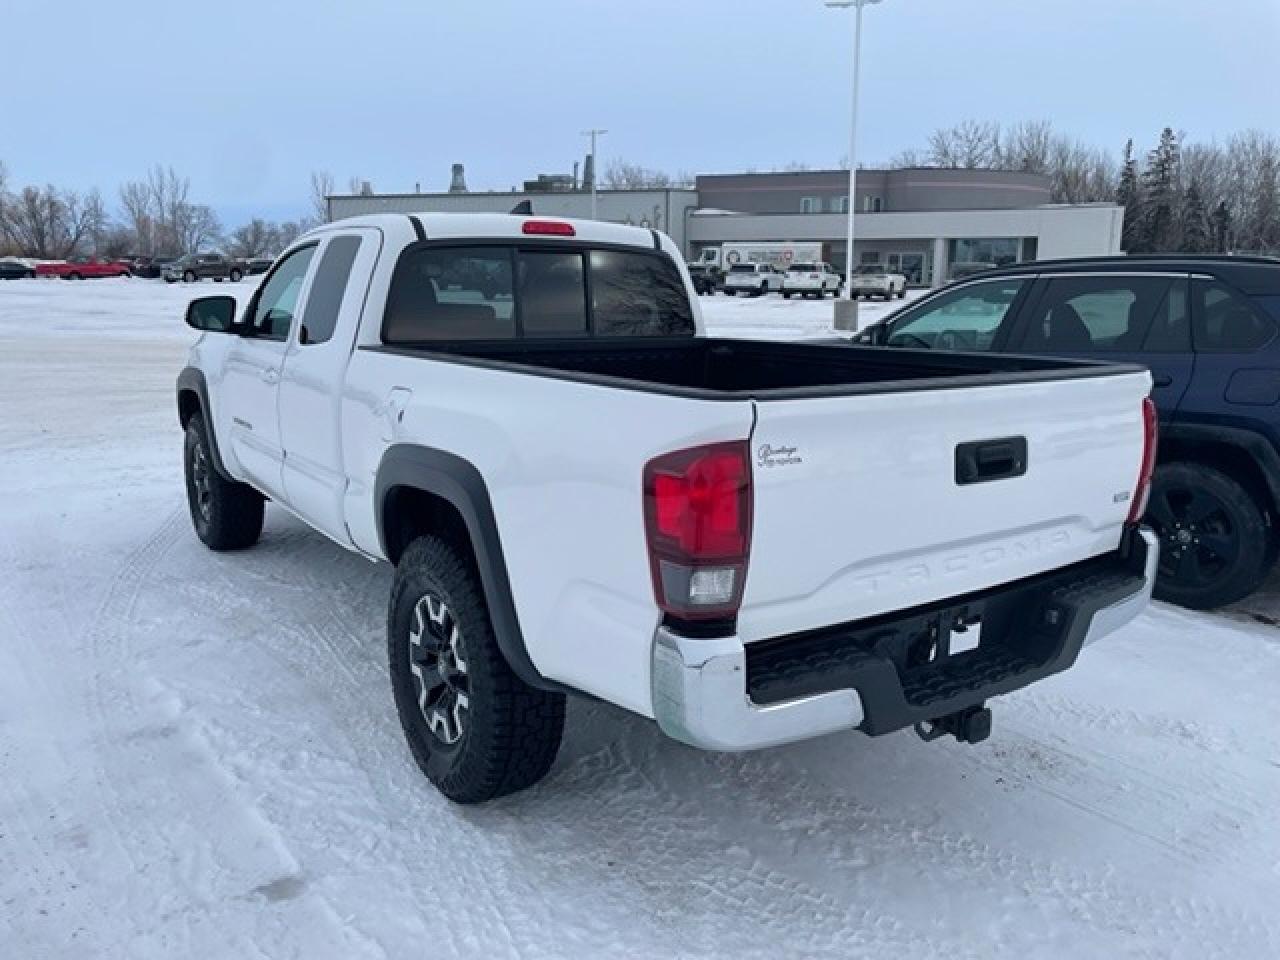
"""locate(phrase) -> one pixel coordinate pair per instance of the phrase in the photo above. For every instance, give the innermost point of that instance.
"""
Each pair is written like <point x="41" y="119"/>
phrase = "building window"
<point x="982" y="253"/>
<point x="869" y="256"/>
<point x="870" y="204"/>
<point x="810" y="204"/>
<point x="876" y="205"/>
<point x="841" y="204"/>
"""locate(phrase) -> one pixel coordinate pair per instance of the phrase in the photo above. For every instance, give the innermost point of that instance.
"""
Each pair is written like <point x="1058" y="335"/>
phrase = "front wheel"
<point x="189" y="277"/>
<point x="226" y="515"/>
<point x="474" y="728"/>
<point x="1214" y="536"/>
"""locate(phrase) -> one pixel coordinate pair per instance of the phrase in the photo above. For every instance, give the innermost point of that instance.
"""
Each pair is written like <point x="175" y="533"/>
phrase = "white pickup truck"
<point x="751" y="543"/>
<point x="877" y="280"/>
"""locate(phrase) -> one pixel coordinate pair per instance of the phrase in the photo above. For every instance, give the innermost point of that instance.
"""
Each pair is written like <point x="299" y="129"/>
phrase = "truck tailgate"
<point x="882" y="501"/>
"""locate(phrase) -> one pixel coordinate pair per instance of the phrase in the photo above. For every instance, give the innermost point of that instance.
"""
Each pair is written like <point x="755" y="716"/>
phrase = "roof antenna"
<point x="522" y="209"/>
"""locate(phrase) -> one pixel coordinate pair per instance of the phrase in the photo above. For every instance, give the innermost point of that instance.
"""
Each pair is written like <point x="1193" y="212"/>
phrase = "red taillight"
<point x="548" y="228"/>
<point x="1150" y="437"/>
<point x="697" y="510"/>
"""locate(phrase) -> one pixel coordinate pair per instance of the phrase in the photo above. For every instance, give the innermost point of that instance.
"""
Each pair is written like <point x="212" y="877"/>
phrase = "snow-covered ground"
<point x="199" y="756"/>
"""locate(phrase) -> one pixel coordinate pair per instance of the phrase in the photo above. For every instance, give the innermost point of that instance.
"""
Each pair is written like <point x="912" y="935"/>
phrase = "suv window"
<point x="966" y="318"/>
<point x="638" y="295"/>
<point x="804" y="268"/>
<point x="743" y="268"/>
<point x="1098" y="313"/>
<point x="325" y="300"/>
<point x="278" y="298"/>
<point x="1225" y="322"/>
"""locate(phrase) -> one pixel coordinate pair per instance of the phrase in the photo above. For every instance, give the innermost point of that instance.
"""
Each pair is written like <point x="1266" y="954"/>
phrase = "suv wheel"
<point x="1213" y="536"/>
<point x="189" y="277"/>
<point x="235" y="276"/>
<point x="476" y="730"/>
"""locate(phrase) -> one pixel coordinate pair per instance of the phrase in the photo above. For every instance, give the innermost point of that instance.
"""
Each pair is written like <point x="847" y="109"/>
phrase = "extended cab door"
<point x="315" y="367"/>
<point x="251" y="375"/>
<point x="1137" y="318"/>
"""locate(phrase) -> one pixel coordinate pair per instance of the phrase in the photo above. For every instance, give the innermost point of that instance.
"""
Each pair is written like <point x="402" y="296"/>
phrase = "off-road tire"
<point x="1200" y="510"/>
<point x="511" y="731"/>
<point x="227" y="515"/>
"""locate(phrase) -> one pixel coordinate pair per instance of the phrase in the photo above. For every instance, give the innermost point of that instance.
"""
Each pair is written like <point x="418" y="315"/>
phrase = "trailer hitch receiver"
<point x="971" y="725"/>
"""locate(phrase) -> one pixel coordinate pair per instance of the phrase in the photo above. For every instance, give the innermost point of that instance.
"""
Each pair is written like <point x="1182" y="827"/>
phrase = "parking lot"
<point x="198" y="756"/>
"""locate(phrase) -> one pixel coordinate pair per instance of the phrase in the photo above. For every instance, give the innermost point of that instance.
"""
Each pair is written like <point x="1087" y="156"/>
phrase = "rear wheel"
<point x="235" y="276"/>
<point x="474" y="728"/>
<point x="226" y="515"/>
<point x="1214" y="538"/>
<point x="189" y="277"/>
<point x="75" y="276"/>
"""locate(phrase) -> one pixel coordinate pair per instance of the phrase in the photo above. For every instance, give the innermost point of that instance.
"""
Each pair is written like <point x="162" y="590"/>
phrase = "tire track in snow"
<point x="127" y="728"/>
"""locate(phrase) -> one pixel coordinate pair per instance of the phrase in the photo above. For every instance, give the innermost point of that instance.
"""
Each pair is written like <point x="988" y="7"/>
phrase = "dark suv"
<point x="201" y="266"/>
<point x="1207" y="327"/>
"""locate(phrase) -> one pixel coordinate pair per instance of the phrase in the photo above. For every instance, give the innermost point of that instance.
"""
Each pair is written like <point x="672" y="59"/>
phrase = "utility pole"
<point x="593" y="134"/>
<point x="846" y="317"/>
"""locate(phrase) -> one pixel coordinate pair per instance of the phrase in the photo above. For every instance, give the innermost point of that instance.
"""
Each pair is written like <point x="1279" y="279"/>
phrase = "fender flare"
<point x="1248" y="441"/>
<point x="460" y="484"/>
<point x="191" y="380"/>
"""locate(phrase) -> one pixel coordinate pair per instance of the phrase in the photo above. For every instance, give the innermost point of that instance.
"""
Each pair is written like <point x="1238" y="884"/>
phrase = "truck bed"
<point x="725" y="369"/>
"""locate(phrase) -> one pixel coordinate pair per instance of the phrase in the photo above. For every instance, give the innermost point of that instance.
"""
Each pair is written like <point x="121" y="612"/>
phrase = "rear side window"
<point x="1087" y="314"/>
<point x="1226" y="322"/>
<point x="327" y="289"/>
<point x="638" y="295"/>
<point x="451" y="293"/>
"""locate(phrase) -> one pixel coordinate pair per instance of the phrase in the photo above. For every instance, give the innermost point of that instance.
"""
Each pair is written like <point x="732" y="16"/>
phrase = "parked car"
<point x="753" y="278"/>
<point x="11" y="268"/>
<point x="787" y="539"/>
<point x="203" y="266"/>
<point x="877" y="280"/>
<point x="83" y="268"/>
<point x="150" y="267"/>
<point x="1207" y="327"/>
<point x="706" y="277"/>
<point x="258" y="265"/>
<point x="810" y="280"/>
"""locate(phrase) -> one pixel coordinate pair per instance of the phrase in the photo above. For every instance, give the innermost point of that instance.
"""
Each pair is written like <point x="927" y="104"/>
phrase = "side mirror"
<point x="212" y="314"/>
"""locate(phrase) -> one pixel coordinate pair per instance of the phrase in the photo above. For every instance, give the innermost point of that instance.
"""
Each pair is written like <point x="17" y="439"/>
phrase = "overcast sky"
<point x="246" y="98"/>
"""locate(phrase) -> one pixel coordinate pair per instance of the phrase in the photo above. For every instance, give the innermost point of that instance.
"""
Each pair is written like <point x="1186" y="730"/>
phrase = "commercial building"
<point x="932" y="224"/>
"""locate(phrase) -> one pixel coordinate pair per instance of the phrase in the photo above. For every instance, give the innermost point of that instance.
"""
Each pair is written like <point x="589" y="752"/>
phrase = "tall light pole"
<point x="593" y="134"/>
<point x="846" y="317"/>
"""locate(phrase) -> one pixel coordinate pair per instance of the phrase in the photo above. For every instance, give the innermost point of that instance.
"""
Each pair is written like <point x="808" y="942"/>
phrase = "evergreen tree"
<point x="1158" y="185"/>
<point x="1221" y="228"/>
<point x="1195" y="223"/>
<point x="1129" y="196"/>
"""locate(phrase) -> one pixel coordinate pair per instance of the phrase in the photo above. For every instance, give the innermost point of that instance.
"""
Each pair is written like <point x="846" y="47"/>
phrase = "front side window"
<point x="327" y="290"/>
<point x="967" y="318"/>
<point x="1226" y="322"/>
<point x="278" y="299"/>
<point x="451" y="293"/>
<point x="638" y="295"/>
<point x="1109" y="314"/>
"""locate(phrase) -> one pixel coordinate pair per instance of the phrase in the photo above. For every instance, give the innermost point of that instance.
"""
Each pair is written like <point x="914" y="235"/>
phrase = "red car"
<point x="81" y="268"/>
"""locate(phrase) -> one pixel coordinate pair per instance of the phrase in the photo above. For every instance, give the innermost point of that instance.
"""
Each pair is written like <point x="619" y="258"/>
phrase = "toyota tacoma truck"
<point x="750" y="543"/>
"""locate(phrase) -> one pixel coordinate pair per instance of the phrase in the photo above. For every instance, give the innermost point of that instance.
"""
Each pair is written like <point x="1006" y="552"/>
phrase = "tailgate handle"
<point x="984" y="460"/>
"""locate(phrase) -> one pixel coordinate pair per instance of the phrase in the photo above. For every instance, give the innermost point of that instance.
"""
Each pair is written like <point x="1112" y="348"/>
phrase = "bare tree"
<point x="254" y="239"/>
<point x="321" y="190"/>
<point x="1027" y="146"/>
<point x="196" y="226"/>
<point x="622" y="175"/>
<point x="970" y="144"/>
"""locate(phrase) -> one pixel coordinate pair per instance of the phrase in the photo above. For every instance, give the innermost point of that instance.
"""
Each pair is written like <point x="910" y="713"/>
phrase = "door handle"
<point x="984" y="460"/>
<point x="1163" y="380"/>
<point x="270" y="375"/>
